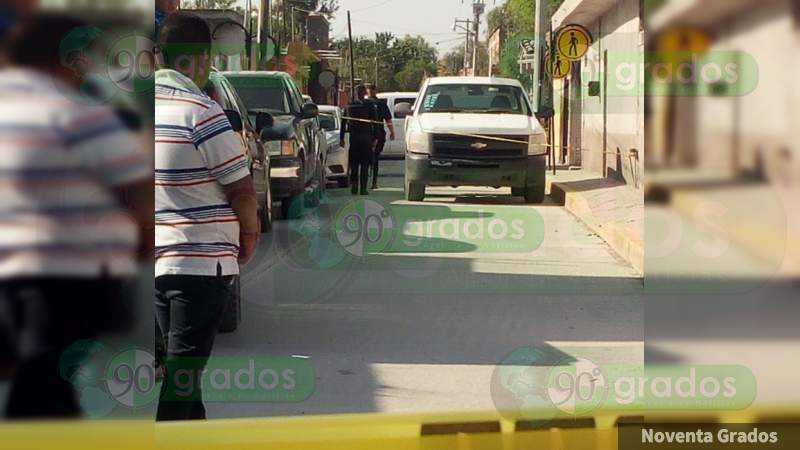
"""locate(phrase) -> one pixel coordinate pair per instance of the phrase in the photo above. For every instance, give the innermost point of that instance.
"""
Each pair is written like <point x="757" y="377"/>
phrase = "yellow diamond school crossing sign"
<point x="573" y="42"/>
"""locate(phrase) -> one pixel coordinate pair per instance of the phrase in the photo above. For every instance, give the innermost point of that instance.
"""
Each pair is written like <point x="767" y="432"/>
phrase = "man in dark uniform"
<point x="363" y="137"/>
<point x="384" y="115"/>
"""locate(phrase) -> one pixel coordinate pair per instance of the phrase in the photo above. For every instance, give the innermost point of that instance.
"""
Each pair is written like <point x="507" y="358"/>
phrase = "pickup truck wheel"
<point x="415" y="192"/>
<point x="232" y="316"/>
<point x="534" y="194"/>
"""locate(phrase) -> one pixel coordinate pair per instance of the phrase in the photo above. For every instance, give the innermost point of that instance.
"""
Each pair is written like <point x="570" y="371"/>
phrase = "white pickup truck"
<point x="474" y="131"/>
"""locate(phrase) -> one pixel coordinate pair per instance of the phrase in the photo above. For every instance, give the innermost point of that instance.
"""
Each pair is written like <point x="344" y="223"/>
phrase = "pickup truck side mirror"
<point x="309" y="111"/>
<point x="235" y="119"/>
<point x="403" y="109"/>
<point x="263" y="120"/>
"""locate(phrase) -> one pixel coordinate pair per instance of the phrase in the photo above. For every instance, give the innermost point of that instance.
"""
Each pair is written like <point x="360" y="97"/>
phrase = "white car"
<point x="337" y="167"/>
<point x="475" y="131"/>
<point x="397" y="148"/>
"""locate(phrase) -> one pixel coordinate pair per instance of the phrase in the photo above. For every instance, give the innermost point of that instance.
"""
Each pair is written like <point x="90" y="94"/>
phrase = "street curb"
<point x="619" y="237"/>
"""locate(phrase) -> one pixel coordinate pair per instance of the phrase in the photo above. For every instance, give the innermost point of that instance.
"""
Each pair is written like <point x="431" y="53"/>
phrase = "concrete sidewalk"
<point x="614" y="211"/>
<point x="754" y="215"/>
<point x="757" y="218"/>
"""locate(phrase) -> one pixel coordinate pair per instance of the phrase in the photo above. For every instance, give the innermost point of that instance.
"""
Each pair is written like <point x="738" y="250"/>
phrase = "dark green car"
<point x="291" y="135"/>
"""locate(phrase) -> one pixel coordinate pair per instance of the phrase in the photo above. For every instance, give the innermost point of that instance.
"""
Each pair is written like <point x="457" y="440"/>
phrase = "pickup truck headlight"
<point x="419" y="142"/>
<point x="537" y="144"/>
<point x="289" y="148"/>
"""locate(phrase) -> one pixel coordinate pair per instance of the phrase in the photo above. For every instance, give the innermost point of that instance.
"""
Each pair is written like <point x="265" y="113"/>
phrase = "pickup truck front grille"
<point x="456" y="146"/>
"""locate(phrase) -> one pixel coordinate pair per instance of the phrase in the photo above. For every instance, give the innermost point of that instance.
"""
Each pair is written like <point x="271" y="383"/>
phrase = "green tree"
<point x="413" y="74"/>
<point x="517" y="15"/>
<point x="509" y="67"/>
<point x="389" y="56"/>
<point x="452" y="62"/>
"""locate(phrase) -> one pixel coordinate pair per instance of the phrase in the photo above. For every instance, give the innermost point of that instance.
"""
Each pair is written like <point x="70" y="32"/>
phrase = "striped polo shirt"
<point x="196" y="154"/>
<point x="59" y="160"/>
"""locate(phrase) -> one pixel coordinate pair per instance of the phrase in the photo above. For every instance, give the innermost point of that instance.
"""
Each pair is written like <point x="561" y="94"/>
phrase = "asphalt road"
<point x="417" y="314"/>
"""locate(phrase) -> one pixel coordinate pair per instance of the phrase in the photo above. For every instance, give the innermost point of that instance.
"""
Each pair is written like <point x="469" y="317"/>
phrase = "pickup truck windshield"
<point x="474" y="98"/>
<point x="262" y="94"/>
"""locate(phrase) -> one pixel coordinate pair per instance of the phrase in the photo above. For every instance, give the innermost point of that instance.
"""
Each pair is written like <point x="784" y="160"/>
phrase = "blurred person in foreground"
<point x="362" y="124"/>
<point x="385" y="116"/>
<point x="163" y="8"/>
<point x="12" y="10"/>
<point x="206" y="220"/>
<point x="75" y="202"/>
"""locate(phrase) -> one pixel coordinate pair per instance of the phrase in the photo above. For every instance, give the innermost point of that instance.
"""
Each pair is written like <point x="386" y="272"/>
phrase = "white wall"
<point x="617" y="32"/>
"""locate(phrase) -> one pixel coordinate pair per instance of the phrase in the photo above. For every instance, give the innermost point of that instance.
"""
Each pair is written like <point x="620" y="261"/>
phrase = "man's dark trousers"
<point x="189" y="310"/>
<point x="44" y="324"/>
<point x="360" y="160"/>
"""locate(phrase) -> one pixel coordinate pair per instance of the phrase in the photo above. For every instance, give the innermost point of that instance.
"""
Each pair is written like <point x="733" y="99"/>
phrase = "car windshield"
<point x="475" y="98"/>
<point x="327" y="121"/>
<point x="262" y="94"/>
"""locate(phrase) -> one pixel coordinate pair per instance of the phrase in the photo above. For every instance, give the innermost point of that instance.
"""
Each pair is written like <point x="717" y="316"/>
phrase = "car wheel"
<point x="343" y="182"/>
<point x="415" y="192"/>
<point x="534" y="194"/>
<point x="518" y="192"/>
<point x="266" y="214"/>
<point x="232" y="316"/>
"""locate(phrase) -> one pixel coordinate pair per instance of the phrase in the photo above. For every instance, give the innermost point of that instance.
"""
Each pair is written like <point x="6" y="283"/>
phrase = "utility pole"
<point x="352" y="62"/>
<point x="478" y="8"/>
<point x="465" y="26"/>
<point x="293" y="25"/>
<point x="541" y="29"/>
<point x="263" y="31"/>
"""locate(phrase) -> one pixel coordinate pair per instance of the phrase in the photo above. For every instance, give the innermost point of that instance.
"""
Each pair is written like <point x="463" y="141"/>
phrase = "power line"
<point x="373" y="6"/>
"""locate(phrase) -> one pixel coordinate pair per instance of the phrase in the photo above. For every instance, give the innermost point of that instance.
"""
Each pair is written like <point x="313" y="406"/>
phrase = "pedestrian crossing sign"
<point x="573" y="42"/>
<point x="557" y="66"/>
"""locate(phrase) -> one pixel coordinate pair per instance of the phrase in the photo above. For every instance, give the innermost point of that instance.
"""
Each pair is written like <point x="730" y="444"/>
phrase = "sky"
<point x="433" y="19"/>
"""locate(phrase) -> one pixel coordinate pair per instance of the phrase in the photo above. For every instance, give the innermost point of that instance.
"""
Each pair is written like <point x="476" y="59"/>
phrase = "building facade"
<point x="599" y="106"/>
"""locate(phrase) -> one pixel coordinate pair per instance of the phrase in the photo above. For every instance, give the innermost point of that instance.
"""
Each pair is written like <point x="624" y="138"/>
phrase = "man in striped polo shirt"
<point x="206" y="210"/>
<point x="75" y="212"/>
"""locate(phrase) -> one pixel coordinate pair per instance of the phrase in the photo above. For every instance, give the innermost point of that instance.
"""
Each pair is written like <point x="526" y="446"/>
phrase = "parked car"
<point x="290" y="131"/>
<point x="397" y="148"/>
<point x="337" y="166"/>
<point x="474" y="131"/>
<point x="322" y="148"/>
<point x="221" y="91"/>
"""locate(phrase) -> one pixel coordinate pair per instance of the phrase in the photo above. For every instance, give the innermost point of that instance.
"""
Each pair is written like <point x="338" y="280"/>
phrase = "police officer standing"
<point x="362" y="126"/>
<point x="385" y="116"/>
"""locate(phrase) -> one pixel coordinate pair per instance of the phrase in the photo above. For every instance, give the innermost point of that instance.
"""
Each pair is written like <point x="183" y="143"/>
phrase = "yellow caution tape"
<point x="472" y="135"/>
<point x="475" y="431"/>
